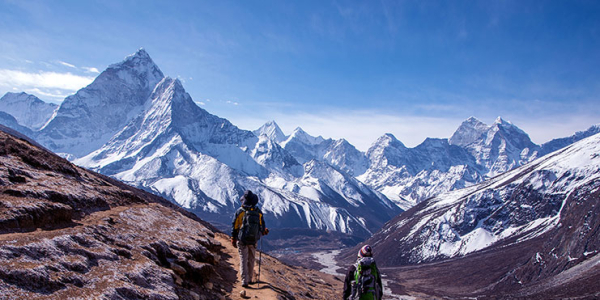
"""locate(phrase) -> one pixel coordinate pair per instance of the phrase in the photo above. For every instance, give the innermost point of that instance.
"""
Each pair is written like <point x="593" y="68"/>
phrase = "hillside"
<point x="66" y="232"/>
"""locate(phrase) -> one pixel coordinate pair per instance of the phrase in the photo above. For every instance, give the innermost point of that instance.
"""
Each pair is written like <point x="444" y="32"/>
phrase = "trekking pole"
<point x="259" y="262"/>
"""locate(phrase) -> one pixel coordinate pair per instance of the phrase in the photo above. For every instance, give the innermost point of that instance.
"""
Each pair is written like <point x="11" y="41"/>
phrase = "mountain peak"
<point x="272" y="131"/>
<point x="141" y="64"/>
<point x="387" y="140"/>
<point x="468" y="132"/>
<point x="140" y="55"/>
<point x="501" y="122"/>
<point x="116" y="95"/>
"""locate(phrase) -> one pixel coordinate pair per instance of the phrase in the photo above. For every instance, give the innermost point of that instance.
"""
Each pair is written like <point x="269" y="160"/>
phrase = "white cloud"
<point x="55" y="94"/>
<point x="91" y="70"/>
<point x="67" y="64"/>
<point x="24" y="80"/>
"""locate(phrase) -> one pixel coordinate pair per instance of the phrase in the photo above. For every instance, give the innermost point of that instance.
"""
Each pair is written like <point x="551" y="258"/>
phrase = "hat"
<point x="249" y="198"/>
<point x="365" y="251"/>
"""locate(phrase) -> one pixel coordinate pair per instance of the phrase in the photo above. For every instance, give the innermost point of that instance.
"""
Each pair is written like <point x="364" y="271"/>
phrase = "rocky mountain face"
<point x="28" y="110"/>
<point x="66" y="232"/>
<point x="528" y="232"/>
<point x="87" y="120"/>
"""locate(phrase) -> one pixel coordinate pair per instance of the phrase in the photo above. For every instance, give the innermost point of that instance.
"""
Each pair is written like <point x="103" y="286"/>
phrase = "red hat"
<point x="365" y="251"/>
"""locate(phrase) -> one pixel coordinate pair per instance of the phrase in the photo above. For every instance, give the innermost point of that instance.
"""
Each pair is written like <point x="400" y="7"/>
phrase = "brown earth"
<point x="68" y="233"/>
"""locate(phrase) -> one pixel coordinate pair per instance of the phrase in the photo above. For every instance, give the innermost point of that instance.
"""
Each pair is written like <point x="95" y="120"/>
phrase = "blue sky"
<point x="351" y="69"/>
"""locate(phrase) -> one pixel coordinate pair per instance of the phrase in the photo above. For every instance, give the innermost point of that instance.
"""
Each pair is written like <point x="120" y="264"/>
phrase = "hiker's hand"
<point x="234" y="243"/>
<point x="266" y="231"/>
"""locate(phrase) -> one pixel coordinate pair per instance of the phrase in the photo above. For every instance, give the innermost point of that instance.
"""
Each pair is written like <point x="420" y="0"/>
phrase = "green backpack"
<point x="365" y="285"/>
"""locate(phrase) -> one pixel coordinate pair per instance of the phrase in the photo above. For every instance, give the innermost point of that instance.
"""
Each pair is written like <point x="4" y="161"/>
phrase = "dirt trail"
<point x="280" y="281"/>
<point x="253" y="291"/>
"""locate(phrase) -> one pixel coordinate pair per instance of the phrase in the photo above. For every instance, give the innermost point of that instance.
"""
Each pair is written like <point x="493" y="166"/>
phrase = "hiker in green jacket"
<point x="247" y="227"/>
<point x="363" y="280"/>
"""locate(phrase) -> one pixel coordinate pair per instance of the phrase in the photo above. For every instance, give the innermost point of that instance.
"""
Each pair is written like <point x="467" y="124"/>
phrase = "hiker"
<point x="363" y="280"/>
<point x="248" y="227"/>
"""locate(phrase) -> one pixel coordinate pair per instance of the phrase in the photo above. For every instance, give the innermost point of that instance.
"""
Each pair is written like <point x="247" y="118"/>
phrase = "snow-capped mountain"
<point x="88" y="119"/>
<point x="498" y="148"/>
<point x="410" y="175"/>
<point x="204" y="163"/>
<point x="337" y="153"/>
<point x="520" y="205"/>
<point x="143" y="128"/>
<point x="303" y="146"/>
<point x="474" y="153"/>
<point x="272" y="131"/>
<point x="28" y="110"/>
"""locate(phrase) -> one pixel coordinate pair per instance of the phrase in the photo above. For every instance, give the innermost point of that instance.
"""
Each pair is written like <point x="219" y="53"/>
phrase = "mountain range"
<point x="136" y="125"/>
<point x="483" y="213"/>
<point x="532" y="232"/>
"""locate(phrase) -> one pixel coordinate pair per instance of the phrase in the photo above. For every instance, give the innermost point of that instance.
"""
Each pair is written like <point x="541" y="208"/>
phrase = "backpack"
<point x="250" y="230"/>
<point x="365" y="285"/>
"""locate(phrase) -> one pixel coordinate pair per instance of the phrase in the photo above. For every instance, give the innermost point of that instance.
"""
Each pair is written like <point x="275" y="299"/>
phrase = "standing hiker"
<point x="363" y="280"/>
<point x="248" y="227"/>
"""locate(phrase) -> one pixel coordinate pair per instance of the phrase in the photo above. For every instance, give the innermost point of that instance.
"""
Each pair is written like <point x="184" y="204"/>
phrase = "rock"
<point x="177" y="279"/>
<point x="208" y="285"/>
<point x="201" y="271"/>
<point x="178" y="269"/>
<point x="194" y="295"/>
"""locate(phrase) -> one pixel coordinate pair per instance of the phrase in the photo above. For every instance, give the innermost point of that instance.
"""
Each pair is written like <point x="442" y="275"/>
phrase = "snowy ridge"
<point x="520" y="204"/>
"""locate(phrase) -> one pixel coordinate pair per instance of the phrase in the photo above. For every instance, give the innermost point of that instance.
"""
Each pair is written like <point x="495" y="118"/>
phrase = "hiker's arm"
<point x="348" y="283"/>
<point x="263" y="227"/>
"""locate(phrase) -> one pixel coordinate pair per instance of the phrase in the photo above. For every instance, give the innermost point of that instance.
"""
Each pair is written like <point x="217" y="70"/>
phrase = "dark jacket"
<point x="350" y="278"/>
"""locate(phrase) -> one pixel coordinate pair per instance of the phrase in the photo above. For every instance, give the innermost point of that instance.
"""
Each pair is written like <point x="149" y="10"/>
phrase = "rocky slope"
<point x="529" y="232"/>
<point x="66" y="232"/>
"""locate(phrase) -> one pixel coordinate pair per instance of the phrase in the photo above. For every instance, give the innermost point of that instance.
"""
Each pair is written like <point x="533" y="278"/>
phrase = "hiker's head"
<point x="365" y="251"/>
<point x="249" y="198"/>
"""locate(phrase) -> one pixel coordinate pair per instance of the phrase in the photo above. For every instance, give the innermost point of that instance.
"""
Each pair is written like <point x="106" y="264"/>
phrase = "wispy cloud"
<point x="24" y="80"/>
<point x="46" y="85"/>
<point x="90" y="70"/>
<point x="67" y="64"/>
<point x="53" y="94"/>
